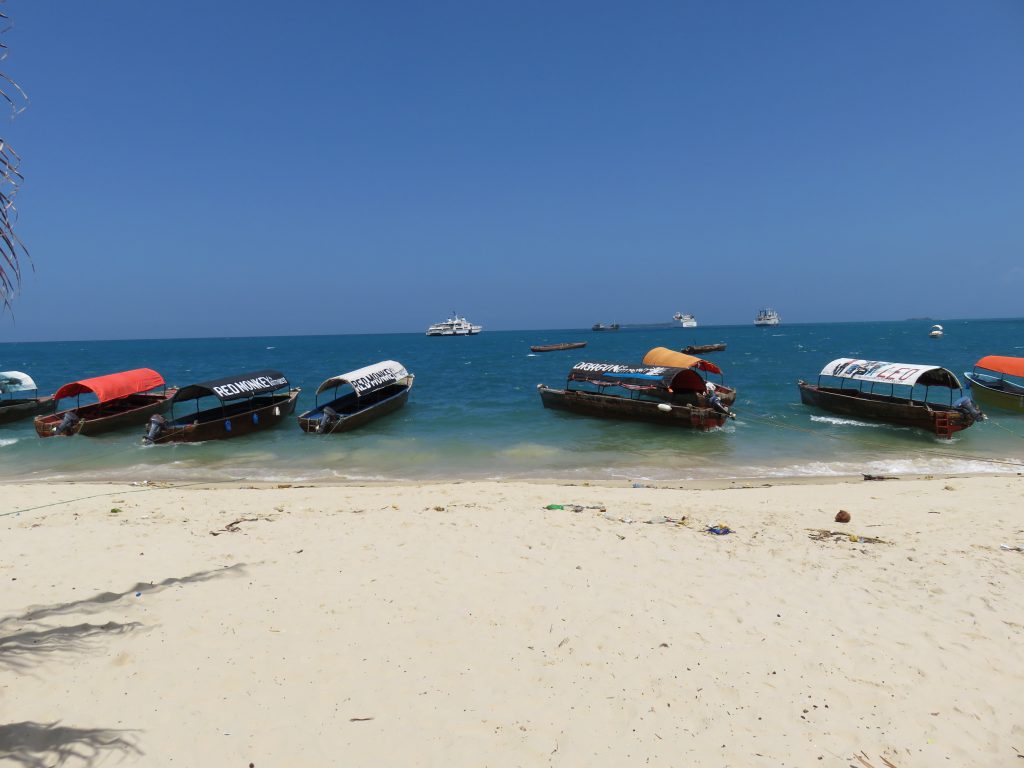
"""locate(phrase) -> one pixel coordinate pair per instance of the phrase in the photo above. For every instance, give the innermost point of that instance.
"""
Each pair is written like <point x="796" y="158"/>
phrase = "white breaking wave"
<point x="8" y="441"/>
<point x="844" y="422"/>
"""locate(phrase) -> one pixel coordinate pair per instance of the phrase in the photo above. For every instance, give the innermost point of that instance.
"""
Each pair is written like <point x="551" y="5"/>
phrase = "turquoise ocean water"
<point x="475" y="413"/>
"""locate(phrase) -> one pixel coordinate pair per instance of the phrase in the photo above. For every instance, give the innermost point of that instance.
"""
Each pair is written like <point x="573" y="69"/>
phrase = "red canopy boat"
<point x="122" y="398"/>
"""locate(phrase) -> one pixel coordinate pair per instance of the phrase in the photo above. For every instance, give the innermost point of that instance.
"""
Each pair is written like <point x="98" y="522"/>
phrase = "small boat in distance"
<point x="940" y="419"/>
<point x="559" y="347"/>
<point x="998" y="391"/>
<point x="767" y="317"/>
<point x="372" y="392"/>
<point x="685" y="320"/>
<point x="14" y="408"/>
<point x="603" y="327"/>
<point x="634" y="393"/>
<point x="454" y="326"/>
<point x="123" y="399"/>
<point x="246" y="403"/>
<point x="935" y="332"/>
<point x="700" y="349"/>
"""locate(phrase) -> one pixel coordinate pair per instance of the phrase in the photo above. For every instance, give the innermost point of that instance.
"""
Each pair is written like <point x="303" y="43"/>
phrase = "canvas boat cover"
<point x="368" y="379"/>
<point x="114" y="385"/>
<point x="876" y="371"/>
<point x="1012" y="366"/>
<point x="235" y="387"/>
<point x="15" y="381"/>
<point x="667" y="357"/>
<point x="637" y="377"/>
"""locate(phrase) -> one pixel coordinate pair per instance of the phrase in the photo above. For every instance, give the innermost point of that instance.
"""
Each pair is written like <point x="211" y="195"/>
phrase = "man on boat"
<point x="713" y="400"/>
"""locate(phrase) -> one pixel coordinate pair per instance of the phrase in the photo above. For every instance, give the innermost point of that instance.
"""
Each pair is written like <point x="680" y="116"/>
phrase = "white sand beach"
<point x="464" y="624"/>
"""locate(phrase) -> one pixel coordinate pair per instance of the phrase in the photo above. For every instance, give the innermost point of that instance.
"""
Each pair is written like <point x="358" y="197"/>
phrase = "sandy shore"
<point x="466" y="625"/>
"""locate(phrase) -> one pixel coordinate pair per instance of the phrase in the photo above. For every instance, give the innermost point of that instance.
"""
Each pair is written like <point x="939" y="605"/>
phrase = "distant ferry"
<point x="767" y="317"/>
<point x="454" y="326"/>
<point x="603" y="327"/>
<point x="685" y="320"/>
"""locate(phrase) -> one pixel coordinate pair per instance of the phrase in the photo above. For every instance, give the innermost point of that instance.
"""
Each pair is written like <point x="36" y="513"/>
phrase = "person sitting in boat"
<point x="713" y="400"/>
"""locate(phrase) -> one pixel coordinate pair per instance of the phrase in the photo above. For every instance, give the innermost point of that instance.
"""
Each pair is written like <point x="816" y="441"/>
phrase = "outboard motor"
<point x="716" y="402"/>
<point x="327" y="419"/>
<point x="969" y="409"/>
<point x="68" y="424"/>
<point x="156" y="426"/>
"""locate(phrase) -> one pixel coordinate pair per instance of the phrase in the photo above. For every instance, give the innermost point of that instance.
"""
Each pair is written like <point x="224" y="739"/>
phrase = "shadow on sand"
<point x="47" y="745"/>
<point x="102" y="600"/>
<point x="25" y="641"/>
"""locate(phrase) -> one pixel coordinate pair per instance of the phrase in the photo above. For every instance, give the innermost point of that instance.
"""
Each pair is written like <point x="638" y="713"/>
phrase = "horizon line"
<point x="624" y="326"/>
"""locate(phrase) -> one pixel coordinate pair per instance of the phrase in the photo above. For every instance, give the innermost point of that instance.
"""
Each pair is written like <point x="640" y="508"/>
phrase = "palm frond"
<point x="12" y="249"/>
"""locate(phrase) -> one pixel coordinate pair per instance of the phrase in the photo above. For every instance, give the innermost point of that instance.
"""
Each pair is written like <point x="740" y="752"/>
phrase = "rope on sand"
<point x="117" y="493"/>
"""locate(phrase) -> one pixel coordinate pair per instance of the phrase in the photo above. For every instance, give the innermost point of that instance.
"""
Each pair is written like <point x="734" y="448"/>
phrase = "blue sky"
<point x="230" y="168"/>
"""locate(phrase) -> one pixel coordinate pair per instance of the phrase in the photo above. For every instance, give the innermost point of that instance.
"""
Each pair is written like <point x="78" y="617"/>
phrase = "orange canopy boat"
<point x="1005" y="390"/>
<point x="122" y="399"/>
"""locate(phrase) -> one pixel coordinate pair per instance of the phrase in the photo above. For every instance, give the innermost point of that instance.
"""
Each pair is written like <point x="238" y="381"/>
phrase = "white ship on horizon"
<point x="767" y="317"/>
<point x="454" y="326"/>
<point x="685" y="320"/>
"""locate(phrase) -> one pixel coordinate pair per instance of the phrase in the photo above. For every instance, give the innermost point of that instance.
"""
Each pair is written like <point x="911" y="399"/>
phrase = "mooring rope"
<point x="118" y="493"/>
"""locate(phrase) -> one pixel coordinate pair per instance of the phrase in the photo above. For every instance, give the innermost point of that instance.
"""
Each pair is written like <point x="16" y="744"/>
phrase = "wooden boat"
<point x="370" y="393"/>
<point x="938" y="418"/>
<point x="700" y="349"/>
<point x="654" y="394"/>
<point x="559" y="347"/>
<point x="669" y="358"/>
<point x="123" y="400"/>
<point x="245" y="403"/>
<point x="997" y="391"/>
<point x="603" y="327"/>
<point x="14" y="408"/>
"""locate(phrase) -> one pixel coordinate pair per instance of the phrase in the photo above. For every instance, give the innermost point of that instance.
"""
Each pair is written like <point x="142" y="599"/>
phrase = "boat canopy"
<point x="15" y="381"/>
<point x="1011" y="366"/>
<point x="234" y="387"/>
<point x="368" y="379"/>
<point x="114" y="385"/>
<point x="637" y="377"/>
<point x="668" y="357"/>
<point x="878" y="372"/>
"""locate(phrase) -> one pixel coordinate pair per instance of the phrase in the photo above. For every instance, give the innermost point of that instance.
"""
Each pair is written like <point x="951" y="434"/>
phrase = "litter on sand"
<point x="576" y="507"/>
<point x="823" y="534"/>
<point x="720" y="530"/>
<point x="1008" y="548"/>
<point x="879" y="477"/>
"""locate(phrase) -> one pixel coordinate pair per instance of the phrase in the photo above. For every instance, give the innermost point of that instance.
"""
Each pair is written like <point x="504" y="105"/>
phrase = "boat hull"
<point x="559" y="347"/>
<point x="623" y="408"/>
<point x="271" y="411"/>
<point x="346" y="422"/>
<point x="997" y="393"/>
<point x="700" y="349"/>
<point x="97" y="418"/>
<point x="15" y="410"/>
<point x="941" y="421"/>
